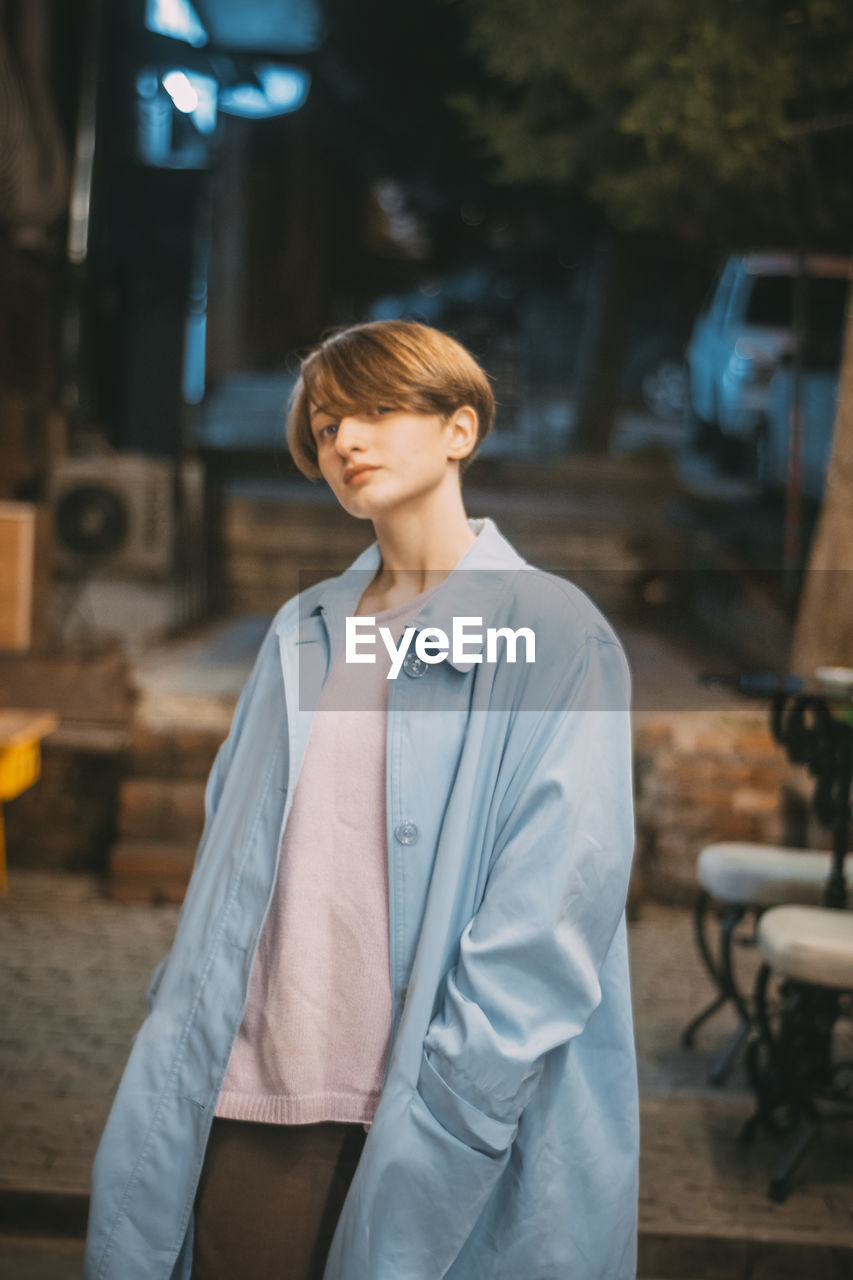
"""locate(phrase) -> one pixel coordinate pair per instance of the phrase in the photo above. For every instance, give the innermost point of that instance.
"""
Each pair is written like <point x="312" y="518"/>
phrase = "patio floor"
<point x="76" y="964"/>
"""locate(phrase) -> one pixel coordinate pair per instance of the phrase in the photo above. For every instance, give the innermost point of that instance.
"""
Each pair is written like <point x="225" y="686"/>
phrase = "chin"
<point x="368" y="506"/>
<point x="357" y="515"/>
<point x="379" y="501"/>
<point x="359" y="505"/>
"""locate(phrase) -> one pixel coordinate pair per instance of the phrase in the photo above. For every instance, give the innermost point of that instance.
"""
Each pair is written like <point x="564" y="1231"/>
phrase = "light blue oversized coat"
<point x="505" y="1146"/>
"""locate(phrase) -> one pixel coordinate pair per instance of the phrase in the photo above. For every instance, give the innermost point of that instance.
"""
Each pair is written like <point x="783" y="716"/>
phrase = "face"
<point x="378" y="461"/>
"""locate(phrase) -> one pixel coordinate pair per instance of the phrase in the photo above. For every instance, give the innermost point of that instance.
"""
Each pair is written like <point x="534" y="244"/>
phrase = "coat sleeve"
<point x="526" y="980"/>
<point x="216" y="782"/>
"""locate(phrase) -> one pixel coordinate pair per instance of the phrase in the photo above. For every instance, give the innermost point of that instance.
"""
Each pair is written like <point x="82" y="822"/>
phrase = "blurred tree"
<point x="723" y="122"/>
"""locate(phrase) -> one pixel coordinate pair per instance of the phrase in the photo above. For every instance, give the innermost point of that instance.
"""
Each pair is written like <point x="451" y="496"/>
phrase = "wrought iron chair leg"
<point x="700" y="913"/>
<point x="762" y="1068"/>
<point x="788" y="1068"/>
<point x="690" y="1030"/>
<point x="722" y="1065"/>
<point x="779" y="1180"/>
<point x="726" y="980"/>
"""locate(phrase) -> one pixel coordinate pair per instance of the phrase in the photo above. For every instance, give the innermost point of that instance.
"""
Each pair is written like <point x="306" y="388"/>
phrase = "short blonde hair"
<point x="397" y="364"/>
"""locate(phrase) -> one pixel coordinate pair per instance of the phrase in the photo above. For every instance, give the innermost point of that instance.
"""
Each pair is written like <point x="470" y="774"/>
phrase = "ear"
<point x="462" y="427"/>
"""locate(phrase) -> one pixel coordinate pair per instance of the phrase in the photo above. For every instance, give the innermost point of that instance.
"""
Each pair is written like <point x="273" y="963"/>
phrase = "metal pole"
<point x="84" y="152"/>
<point x="73" y="381"/>
<point x="836" y="888"/>
<point x="793" y="548"/>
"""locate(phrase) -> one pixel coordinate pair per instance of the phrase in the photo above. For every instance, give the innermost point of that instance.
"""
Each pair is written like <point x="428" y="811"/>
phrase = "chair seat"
<point x="811" y="944"/>
<point x="766" y="875"/>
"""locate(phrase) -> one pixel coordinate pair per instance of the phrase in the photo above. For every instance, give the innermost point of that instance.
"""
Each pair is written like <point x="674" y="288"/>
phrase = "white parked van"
<point x="744" y="334"/>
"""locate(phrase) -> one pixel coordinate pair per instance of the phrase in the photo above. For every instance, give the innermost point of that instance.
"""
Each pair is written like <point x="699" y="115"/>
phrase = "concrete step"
<point x="92" y="688"/>
<point x="40" y="1257"/>
<point x="150" y="871"/>
<point x="276" y="542"/>
<point x="180" y="752"/>
<point x="161" y="809"/>
<point x="160" y="822"/>
<point x="42" y="1210"/>
<point x="186" y="692"/>
<point x="704" y="1208"/>
<point x="718" y="1258"/>
<point x="274" y="546"/>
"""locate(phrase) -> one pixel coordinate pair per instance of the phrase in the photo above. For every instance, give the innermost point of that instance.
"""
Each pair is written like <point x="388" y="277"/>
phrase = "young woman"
<point x="393" y="1038"/>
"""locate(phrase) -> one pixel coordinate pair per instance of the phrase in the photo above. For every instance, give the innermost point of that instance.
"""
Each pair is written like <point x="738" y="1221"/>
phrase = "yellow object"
<point x="19" y="768"/>
<point x="20" y="761"/>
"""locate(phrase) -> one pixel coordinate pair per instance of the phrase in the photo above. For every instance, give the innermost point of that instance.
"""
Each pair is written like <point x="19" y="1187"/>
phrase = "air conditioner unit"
<point x="113" y="514"/>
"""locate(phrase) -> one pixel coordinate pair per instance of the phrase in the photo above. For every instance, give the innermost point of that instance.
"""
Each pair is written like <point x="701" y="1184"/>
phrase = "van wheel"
<point x="761" y="462"/>
<point x="733" y="456"/>
<point x="700" y="435"/>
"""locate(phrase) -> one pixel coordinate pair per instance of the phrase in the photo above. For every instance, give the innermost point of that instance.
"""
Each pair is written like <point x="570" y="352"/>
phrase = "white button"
<point x="406" y="832"/>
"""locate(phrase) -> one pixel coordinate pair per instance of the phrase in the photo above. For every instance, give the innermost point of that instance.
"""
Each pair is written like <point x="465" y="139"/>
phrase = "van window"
<point x="771" y="303"/>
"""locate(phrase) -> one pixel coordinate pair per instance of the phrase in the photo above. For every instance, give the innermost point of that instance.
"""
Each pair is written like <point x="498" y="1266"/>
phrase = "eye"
<point x="327" y="431"/>
<point x="383" y="409"/>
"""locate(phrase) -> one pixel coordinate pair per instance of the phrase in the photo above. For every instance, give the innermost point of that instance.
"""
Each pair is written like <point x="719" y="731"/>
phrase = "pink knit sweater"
<point x="314" y="1037"/>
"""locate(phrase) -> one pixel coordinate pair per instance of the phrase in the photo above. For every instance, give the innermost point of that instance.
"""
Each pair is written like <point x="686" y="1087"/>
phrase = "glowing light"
<point x="247" y="100"/>
<point x="204" y="116"/>
<point x="177" y="19"/>
<point x="181" y="90"/>
<point x="284" y="87"/>
<point x="281" y="89"/>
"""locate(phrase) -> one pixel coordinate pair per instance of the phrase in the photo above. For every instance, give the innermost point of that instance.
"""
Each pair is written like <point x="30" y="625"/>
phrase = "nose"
<point x="349" y="435"/>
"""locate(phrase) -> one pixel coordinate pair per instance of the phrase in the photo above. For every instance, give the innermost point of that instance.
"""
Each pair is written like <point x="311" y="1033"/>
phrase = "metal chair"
<point x="809" y="952"/>
<point x="739" y="880"/>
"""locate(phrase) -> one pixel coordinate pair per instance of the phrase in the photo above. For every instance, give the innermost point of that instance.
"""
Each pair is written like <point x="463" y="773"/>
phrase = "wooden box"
<point x="25" y="534"/>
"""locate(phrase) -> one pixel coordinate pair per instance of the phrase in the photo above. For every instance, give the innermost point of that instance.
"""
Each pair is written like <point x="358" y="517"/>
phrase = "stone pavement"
<point x="73" y="968"/>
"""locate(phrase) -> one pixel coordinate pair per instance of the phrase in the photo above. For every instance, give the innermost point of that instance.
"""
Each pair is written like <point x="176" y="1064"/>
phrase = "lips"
<point x="352" y="473"/>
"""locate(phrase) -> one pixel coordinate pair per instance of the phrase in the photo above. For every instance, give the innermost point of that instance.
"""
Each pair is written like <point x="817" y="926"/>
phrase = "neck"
<point x="421" y="545"/>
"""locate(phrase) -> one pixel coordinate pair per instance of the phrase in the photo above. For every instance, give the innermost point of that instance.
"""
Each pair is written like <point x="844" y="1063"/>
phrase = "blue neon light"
<point x="177" y="19"/>
<point x="281" y="89"/>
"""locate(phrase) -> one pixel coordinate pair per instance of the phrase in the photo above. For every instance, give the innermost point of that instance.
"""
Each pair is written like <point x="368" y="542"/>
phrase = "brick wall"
<point x="701" y="777"/>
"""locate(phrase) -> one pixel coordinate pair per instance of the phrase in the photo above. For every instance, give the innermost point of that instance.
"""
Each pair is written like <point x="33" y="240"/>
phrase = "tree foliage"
<point x="721" y="120"/>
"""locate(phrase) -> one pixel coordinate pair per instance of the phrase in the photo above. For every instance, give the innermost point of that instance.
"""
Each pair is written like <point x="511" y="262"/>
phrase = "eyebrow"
<point x="319" y="412"/>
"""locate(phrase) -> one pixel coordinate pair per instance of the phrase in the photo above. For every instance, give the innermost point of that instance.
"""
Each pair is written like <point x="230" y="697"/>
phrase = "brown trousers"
<point x="269" y="1198"/>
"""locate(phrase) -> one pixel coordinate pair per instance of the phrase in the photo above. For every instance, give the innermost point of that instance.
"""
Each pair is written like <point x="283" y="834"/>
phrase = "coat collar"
<point x="481" y="577"/>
